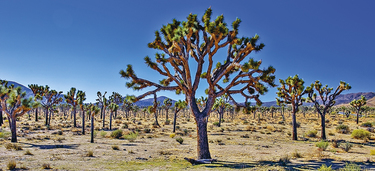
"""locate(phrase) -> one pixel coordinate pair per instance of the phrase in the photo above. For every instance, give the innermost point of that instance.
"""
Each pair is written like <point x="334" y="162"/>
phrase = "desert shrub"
<point x="335" y="143"/>
<point x="311" y="133"/>
<point x="215" y="123"/>
<point x="116" y="134"/>
<point x="185" y="131"/>
<point x="271" y="128"/>
<point x="165" y="152"/>
<point x="46" y="166"/>
<point x="103" y="134"/>
<point x="347" y="146"/>
<point x="245" y="136"/>
<point x="325" y="168"/>
<point x="90" y="153"/>
<point x="343" y="129"/>
<point x="360" y="134"/>
<point x="245" y="122"/>
<point x="131" y="136"/>
<point x="10" y="146"/>
<point x="298" y="124"/>
<point x="125" y="126"/>
<point x="27" y="152"/>
<point x="12" y="165"/>
<point x="95" y="133"/>
<point x="172" y="135"/>
<point x="284" y="160"/>
<point x="115" y="147"/>
<point x="322" y="145"/>
<point x="4" y="134"/>
<point x="180" y="140"/>
<point x="366" y="124"/>
<point x="167" y="122"/>
<point x="147" y="130"/>
<point x="351" y="167"/>
<point x="296" y="154"/>
<point x="372" y="152"/>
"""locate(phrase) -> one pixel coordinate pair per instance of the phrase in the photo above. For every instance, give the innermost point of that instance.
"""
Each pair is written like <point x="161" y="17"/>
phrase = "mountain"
<point x="150" y="101"/>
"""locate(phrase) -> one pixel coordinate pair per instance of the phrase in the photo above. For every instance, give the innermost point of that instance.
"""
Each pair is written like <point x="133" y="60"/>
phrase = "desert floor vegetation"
<point x="239" y="143"/>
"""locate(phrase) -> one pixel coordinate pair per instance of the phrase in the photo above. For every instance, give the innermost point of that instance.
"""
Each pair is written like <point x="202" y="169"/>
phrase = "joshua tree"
<point x="94" y="110"/>
<point x="357" y="105"/>
<point x="167" y="105"/>
<point x="117" y="99"/>
<point x="128" y="104"/>
<point x="51" y="98"/>
<point x="14" y="104"/>
<point x="185" y="47"/>
<point x="327" y="100"/>
<point x="179" y="105"/>
<point x="37" y="90"/>
<point x="220" y="105"/>
<point x="153" y="109"/>
<point x="81" y="97"/>
<point x="291" y="92"/>
<point x="102" y="100"/>
<point x="112" y="107"/>
<point x="71" y="98"/>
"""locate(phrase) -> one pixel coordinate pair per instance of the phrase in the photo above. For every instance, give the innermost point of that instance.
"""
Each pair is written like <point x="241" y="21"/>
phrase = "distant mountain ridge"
<point x="150" y="101"/>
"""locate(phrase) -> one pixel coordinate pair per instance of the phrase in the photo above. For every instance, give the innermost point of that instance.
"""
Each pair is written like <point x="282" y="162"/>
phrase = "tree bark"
<point x="13" y="129"/>
<point x="202" y="138"/>
<point x="294" y="124"/>
<point x="103" y="110"/>
<point x="36" y="114"/>
<point x="1" y="118"/>
<point x="357" y="117"/>
<point x="174" y="120"/>
<point x="92" y="129"/>
<point x="46" y="113"/>
<point x="83" y="122"/>
<point x="110" y="121"/>
<point x="323" y="125"/>
<point x="74" y="115"/>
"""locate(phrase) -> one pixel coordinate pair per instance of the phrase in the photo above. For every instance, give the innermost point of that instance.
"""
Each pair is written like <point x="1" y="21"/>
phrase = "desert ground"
<point x="244" y="143"/>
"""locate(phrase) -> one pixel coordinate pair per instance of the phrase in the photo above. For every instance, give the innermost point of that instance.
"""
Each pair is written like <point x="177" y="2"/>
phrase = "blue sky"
<point x="84" y="44"/>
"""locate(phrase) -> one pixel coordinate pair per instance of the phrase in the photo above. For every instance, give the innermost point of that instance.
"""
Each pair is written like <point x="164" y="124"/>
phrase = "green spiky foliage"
<point x="324" y="100"/>
<point x="291" y="92"/>
<point x="112" y="107"/>
<point x="183" y="49"/>
<point x="178" y="106"/>
<point x="81" y="97"/>
<point x="2" y="83"/>
<point x="14" y="104"/>
<point x="167" y="105"/>
<point x="358" y="104"/>
<point x="37" y="90"/>
<point x="117" y="99"/>
<point x="103" y="103"/>
<point x="220" y="105"/>
<point x="49" y="99"/>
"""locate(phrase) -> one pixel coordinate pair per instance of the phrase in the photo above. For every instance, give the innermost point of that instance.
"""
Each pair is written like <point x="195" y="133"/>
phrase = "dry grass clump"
<point x="115" y="147"/>
<point x="10" y="146"/>
<point x="343" y="129"/>
<point x="27" y="152"/>
<point x="296" y="154"/>
<point x="311" y="133"/>
<point x="12" y="165"/>
<point x="90" y="153"/>
<point x="46" y="166"/>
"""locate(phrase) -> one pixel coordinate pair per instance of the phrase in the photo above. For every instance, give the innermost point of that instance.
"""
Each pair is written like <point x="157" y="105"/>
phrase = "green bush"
<point x="116" y="134"/>
<point x="322" y="145"/>
<point x="325" y="168"/>
<point x="347" y="146"/>
<point x="4" y="134"/>
<point x="131" y="136"/>
<point x="215" y="123"/>
<point x="361" y="134"/>
<point x="180" y="140"/>
<point x="344" y="129"/>
<point x="103" y="134"/>
<point x="311" y="133"/>
<point x="351" y="167"/>
<point x="367" y="124"/>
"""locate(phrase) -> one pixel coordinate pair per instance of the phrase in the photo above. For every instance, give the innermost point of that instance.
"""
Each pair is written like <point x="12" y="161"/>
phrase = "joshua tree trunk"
<point x="103" y="118"/>
<point x="110" y="121"/>
<point x="83" y="122"/>
<point x="166" y="115"/>
<point x="1" y="118"/>
<point x="174" y="120"/>
<point x="294" y="124"/>
<point x="156" y="118"/>
<point x="75" y="117"/>
<point x="357" y="116"/>
<point x="46" y="113"/>
<point x="202" y="138"/>
<point x="92" y="129"/>
<point x="323" y="126"/>
<point x="13" y="129"/>
<point x="36" y="114"/>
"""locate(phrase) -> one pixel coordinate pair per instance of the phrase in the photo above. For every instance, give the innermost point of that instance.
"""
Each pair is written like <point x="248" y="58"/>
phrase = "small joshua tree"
<point x="291" y="92"/>
<point x="179" y="105"/>
<point x="81" y="97"/>
<point x="94" y="111"/>
<point x="49" y="98"/>
<point x="358" y="104"/>
<point x="327" y="100"/>
<point x="112" y="107"/>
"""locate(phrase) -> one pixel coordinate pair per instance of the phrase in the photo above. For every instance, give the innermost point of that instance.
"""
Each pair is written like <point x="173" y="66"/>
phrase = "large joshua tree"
<point x="190" y="49"/>
<point x="326" y="98"/>
<point x="14" y="104"/>
<point x="291" y="92"/>
<point x="358" y="104"/>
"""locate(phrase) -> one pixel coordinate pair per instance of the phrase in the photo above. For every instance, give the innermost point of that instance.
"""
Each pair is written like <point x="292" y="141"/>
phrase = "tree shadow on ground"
<point x="52" y="146"/>
<point x="291" y="165"/>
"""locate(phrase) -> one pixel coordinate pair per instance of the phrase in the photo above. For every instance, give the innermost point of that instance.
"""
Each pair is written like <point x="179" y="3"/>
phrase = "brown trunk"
<point x="13" y="129"/>
<point x="92" y="129"/>
<point x="83" y="122"/>
<point x="75" y="117"/>
<point x="46" y="113"/>
<point x="202" y="139"/>
<point x="166" y="115"/>
<point x="103" y="110"/>
<point x="110" y="121"/>
<point x="174" y="120"/>
<point x="323" y="135"/>
<point x="357" y="117"/>
<point x="294" y="123"/>
<point x="1" y="118"/>
<point x="36" y="115"/>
